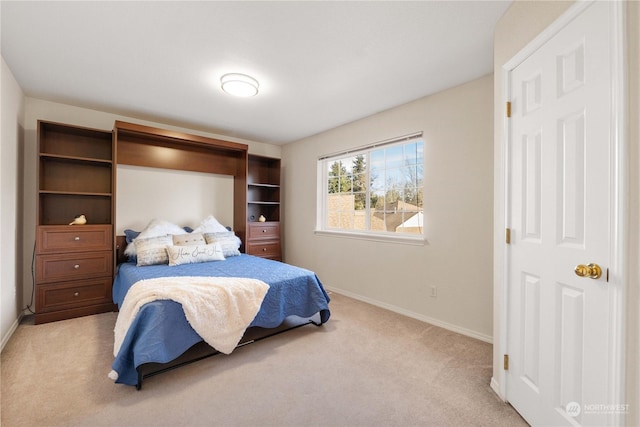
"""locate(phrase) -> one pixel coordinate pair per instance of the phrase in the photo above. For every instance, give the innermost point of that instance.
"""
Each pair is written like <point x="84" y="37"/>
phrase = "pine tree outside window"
<point x="374" y="191"/>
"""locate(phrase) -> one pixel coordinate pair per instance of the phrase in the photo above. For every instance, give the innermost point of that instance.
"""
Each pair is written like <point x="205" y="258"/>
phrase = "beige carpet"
<point x="365" y="367"/>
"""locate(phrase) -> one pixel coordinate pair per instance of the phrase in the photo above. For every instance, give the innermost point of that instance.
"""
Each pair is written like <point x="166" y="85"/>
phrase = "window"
<point x="375" y="191"/>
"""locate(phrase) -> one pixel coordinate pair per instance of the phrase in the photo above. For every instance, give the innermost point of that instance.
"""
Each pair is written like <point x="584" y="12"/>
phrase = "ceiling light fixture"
<point x="239" y="85"/>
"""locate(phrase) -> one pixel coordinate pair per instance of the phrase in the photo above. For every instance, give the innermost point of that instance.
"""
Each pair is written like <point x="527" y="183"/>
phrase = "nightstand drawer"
<point x="266" y="249"/>
<point x="73" y="294"/>
<point x="264" y="230"/>
<point x="55" y="268"/>
<point x="74" y="238"/>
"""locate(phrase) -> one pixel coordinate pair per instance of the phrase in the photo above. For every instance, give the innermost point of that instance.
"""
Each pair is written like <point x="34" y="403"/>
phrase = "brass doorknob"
<point x="592" y="271"/>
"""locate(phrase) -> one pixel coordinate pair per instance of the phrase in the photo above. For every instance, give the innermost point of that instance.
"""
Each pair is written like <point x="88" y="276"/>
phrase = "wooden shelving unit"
<point x="263" y="198"/>
<point x="74" y="263"/>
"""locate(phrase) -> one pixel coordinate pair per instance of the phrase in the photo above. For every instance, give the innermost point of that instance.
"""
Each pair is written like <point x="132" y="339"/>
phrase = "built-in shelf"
<point x="255" y="184"/>
<point x="263" y="199"/>
<point x="45" y="156"/>
<point x="74" y="264"/>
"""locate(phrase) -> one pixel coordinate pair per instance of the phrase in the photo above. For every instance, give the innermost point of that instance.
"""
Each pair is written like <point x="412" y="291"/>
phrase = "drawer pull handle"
<point x="264" y="249"/>
<point x="77" y="266"/>
<point x="77" y="238"/>
<point x="264" y="230"/>
<point x="76" y="294"/>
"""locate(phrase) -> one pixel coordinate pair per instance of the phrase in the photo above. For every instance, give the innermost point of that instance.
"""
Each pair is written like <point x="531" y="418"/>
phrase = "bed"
<point x="160" y="337"/>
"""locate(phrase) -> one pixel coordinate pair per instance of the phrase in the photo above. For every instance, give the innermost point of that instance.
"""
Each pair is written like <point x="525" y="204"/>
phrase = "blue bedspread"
<point x="161" y="332"/>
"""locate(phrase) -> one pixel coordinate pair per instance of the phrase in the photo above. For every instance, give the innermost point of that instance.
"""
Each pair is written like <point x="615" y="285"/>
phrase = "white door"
<point x="558" y="331"/>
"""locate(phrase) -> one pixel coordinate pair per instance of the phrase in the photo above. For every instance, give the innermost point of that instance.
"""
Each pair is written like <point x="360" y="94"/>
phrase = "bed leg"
<point x="316" y="319"/>
<point x="139" y="383"/>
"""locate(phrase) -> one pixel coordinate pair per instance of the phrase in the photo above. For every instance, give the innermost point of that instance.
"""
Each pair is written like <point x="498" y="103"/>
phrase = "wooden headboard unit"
<point x="121" y="246"/>
<point x="140" y="145"/>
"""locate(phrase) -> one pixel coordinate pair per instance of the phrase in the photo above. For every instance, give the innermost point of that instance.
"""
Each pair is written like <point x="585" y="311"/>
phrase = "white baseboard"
<point x="12" y="329"/>
<point x="417" y="316"/>
<point x="496" y="388"/>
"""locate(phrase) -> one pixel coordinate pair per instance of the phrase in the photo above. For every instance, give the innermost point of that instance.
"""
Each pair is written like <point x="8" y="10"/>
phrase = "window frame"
<point x="322" y="191"/>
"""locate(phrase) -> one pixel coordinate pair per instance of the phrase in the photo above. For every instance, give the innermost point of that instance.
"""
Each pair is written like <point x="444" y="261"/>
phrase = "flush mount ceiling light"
<point x="239" y="85"/>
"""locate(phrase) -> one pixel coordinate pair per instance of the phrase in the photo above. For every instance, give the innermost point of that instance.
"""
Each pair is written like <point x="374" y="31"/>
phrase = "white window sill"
<point x="399" y="238"/>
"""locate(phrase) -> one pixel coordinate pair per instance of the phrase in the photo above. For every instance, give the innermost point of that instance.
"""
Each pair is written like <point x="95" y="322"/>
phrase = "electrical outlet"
<point x="434" y="291"/>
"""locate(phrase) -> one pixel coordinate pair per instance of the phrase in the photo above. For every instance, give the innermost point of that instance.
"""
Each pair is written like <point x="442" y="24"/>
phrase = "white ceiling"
<point x="319" y="64"/>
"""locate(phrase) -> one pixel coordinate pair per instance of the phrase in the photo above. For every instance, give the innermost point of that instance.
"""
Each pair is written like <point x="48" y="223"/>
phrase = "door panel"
<point x="532" y="186"/>
<point x="570" y="184"/>
<point x="531" y="331"/>
<point x="559" y="204"/>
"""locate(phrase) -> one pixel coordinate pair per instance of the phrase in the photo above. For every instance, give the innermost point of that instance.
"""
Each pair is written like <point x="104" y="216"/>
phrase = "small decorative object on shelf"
<point x="261" y="218"/>
<point x="79" y="220"/>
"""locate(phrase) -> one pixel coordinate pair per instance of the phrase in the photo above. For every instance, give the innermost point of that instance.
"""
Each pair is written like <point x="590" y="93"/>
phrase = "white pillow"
<point x="229" y="242"/>
<point x="152" y="250"/>
<point x="210" y="225"/>
<point x="156" y="227"/>
<point x="193" y="254"/>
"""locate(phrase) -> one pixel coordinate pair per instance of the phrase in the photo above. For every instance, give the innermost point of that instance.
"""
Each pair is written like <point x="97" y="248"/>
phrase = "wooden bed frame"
<point x="202" y="350"/>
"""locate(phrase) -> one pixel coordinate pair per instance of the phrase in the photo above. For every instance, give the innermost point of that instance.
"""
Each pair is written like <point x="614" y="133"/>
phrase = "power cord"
<point x="33" y="280"/>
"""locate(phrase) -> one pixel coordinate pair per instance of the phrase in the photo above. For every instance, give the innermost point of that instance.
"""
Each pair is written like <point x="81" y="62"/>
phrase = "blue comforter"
<point x="161" y="332"/>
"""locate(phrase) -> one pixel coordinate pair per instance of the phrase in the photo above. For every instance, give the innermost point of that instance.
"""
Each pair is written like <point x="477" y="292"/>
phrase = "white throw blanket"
<point x="219" y="309"/>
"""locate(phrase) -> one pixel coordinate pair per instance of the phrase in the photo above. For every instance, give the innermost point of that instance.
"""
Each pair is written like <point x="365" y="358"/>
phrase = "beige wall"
<point x="186" y="197"/>
<point x="12" y="113"/>
<point x="522" y="22"/>
<point x="458" y="135"/>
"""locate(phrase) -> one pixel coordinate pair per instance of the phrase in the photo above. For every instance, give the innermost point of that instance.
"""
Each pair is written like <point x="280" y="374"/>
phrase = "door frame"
<point x="618" y="278"/>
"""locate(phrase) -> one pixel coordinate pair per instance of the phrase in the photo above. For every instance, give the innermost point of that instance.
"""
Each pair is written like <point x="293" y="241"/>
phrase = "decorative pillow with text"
<point x="179" y="255"/>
